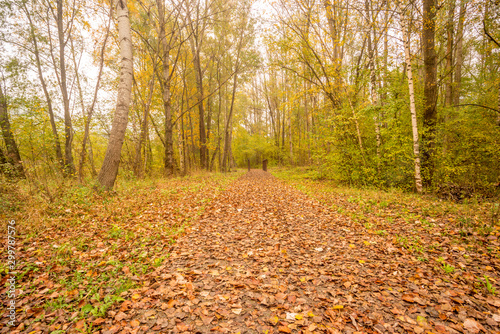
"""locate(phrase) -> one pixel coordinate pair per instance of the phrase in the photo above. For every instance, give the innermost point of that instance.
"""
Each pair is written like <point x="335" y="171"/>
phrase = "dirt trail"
<point x="265" y="257"/>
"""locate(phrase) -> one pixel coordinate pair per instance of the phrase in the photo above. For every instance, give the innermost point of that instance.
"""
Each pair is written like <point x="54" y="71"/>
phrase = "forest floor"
<point x="260" y="255"/>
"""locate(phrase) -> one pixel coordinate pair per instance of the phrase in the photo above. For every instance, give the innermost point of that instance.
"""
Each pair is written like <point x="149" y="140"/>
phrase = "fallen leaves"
<point x="265" y="257"/>
<point x="473" y="326"/>
<point x="284" y="329"/>
<point x="86" y="251"/>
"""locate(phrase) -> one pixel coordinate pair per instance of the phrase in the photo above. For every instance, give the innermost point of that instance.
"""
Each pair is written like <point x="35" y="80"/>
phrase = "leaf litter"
<point x="264" y="257"/>
<point x="252" y="264"/>
<point x="81" y="255"/>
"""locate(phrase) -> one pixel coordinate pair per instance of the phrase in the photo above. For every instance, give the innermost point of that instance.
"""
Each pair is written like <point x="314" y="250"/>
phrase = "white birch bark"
<point x="109" y="170"/>
<point x="409" y="73"/>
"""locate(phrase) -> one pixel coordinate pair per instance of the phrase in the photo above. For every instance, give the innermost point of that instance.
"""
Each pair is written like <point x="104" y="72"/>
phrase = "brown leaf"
<point x="171" y="303"/>
<point x="206" y="320"/>
<point x="284" y="329"/>
<point x="473" y="326"/>
<point x="280" y="297"/>
<point x="273" y="320"/>
<point x="182" y="327"/>
<point x="126" y="305"/>
<point x="408" y="298"/>
<point x="80" y="324"/>
<point x="149" y="313"/>
<point x="120" y="316"/>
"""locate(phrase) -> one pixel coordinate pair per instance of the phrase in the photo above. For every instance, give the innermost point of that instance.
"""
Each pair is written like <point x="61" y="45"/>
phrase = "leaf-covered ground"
<point x="79" y="255"/>
<point x="266" y="257"/>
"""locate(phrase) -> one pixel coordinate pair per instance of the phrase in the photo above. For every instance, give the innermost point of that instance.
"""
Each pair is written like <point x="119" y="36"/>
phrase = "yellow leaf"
<point x="310" y="314"/>
<point x="338" y="307"/>
<point x="361" y="261"/>
<point x="488" y="268"/>
<point x="352" y="246"/>
<point x="298" y="316"/>
<point x="302" y="279"/>
<point x="136" y="296"/>
<point x="101" y="264"/>
<point x="367" y="243"/>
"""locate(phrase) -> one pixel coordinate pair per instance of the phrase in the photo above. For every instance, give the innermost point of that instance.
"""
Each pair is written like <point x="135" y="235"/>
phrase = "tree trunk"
<point x="448" y="100"/>
<point x="290" y="135"/>
<point x="227" y="138"/>
<point x="416" y="151"/>
<point x="180" y="144"/>
<point x="430" y="89"/>
<point x="333" y="19"/>
<point x="459" y="53"/>
<point x="68" y="127"/>
<point x="165" y="84"/>
<point x="358" y="132"/>
<point x="227" y="130"/>
<point x="12" y="156"/>
<point x="386" y="53"/>
<point x="373" y="77"/>
<point x="109" y="169"/>
<point x="90" y="112"/>
<point x="57" y="145"/>
<point x="209" y="123"/>
<point x="201" y="110"/>
<point x="138" y="165"/>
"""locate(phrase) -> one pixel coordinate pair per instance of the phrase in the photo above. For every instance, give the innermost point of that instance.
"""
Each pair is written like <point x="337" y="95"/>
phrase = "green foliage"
<point x="489" y="287"/>
<point x="470" y="152"/>
<point x="413" y="244"/>
<point x="254" y="147"/>
<point x="447" y="268"/>
<point x="11" y="197"/>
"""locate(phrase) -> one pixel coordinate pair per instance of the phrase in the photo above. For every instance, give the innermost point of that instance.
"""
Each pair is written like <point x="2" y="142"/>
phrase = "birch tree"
<point x="409" y="73"/>
<point x="109" y="170"/>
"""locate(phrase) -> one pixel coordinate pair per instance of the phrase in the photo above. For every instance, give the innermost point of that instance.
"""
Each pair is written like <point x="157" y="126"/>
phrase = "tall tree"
<point x="459" y="53"/>
<point x="165" y="79"/>
<point x="197" y="29"/>
<point x="43" y="82"/>
<point x="109" y="170"/>
<point x="411" y="90"/>
<point x="69" y="166"/>
<point x="228" y="135"/>
<point x="449" y="54"/>
<point x="90" y="111"/>
<point x="430" y="88"/>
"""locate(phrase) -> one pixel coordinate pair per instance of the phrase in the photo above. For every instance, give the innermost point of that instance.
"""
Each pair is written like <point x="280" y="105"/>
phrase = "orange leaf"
<point x="284" y="329"/>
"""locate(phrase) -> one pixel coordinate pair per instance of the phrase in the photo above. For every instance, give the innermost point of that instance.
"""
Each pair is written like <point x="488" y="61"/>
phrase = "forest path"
<point x="264" y="257"/>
